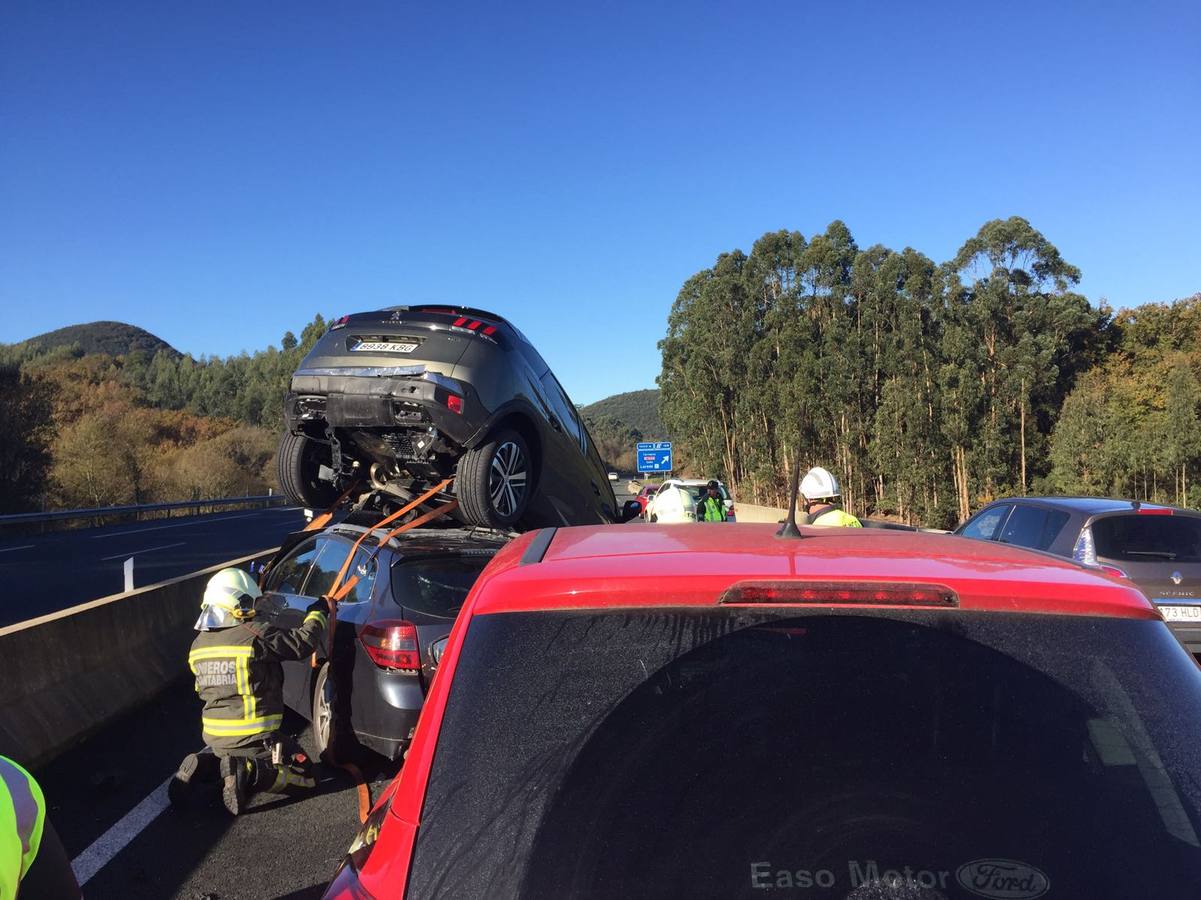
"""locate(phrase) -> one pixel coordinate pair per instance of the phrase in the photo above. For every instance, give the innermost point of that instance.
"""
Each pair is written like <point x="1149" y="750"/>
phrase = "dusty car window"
<point x="680" y="754"/>
<point x="436" y="587"/>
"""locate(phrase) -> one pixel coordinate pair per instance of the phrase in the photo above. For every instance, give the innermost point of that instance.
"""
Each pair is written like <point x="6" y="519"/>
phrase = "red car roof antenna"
<point x="789" y="528"/>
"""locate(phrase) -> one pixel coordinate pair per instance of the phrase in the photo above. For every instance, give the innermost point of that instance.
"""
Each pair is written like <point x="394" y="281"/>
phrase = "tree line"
<point x="928" y="388"/>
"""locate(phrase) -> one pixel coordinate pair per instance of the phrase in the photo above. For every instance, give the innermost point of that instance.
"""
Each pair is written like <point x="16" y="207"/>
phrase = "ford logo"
<point x="1177" y="578"/>
<point x="1002" y="879"/>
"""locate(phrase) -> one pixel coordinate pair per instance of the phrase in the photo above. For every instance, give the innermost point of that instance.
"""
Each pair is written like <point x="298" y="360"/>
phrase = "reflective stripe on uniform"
<point x="242" y="727"/>
<point x="319" y="616"/>
<point x="249" y="723"/>
<point x="20" y="793"/>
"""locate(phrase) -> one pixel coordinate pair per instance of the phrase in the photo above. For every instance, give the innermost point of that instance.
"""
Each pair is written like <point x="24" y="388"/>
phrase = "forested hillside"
<point x="637" y="409"/>
<point x="112" y="338"/>
<point x="81" y="429"/>
<point x="928" y="388"/>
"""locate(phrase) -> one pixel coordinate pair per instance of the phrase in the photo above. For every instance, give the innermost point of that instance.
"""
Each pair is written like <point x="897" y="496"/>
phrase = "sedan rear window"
<point x="863" y="754"/>
<point x="1136" y="538"/>
<point x="437" y="586"/>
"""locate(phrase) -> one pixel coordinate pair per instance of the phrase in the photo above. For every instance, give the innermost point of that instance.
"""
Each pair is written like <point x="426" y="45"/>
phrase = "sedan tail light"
<point x="392" y="644"/>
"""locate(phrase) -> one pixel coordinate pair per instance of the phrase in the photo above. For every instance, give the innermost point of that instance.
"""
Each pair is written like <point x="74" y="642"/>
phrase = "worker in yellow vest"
<point x="33" y="862"/>
<point x="821" y="499"/>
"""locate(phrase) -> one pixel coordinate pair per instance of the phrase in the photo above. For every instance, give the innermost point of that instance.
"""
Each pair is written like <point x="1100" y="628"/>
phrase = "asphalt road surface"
<point x="48" y="572"/>
<point x="107" y="799"/>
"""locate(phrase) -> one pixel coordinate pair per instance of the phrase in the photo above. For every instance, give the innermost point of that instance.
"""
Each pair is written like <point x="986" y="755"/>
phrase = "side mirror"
<point x="630" y="510"/>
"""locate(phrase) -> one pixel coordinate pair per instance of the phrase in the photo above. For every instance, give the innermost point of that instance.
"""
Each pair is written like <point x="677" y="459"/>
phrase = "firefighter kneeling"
<point x="240" y="680"/>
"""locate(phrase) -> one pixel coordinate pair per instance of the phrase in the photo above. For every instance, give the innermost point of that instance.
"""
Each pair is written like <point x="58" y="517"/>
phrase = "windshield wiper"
<point x="1158" y="554"/>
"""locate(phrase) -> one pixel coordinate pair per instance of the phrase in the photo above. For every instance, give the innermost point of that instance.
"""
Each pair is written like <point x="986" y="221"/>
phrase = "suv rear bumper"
<point x="354" y="401"/>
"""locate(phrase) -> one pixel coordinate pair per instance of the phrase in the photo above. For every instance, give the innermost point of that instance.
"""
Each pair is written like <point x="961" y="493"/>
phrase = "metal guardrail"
<point x="103" y="512"/>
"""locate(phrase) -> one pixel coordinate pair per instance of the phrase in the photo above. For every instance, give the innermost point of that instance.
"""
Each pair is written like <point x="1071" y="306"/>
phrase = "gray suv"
<point x="400" y="399"/>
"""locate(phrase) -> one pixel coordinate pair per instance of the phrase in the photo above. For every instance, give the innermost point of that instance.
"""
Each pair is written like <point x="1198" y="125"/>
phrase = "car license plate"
<point x="383" y="347"/>
<point x="1181" y="613"/>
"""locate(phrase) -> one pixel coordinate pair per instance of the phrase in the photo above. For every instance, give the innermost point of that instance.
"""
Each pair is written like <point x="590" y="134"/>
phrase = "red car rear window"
<point x="757" y="753"/>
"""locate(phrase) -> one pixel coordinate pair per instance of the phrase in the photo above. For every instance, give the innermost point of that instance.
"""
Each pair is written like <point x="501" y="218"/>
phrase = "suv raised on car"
<point x="400" y="399"/>
<point x="859" y="713"/>
<point x="389" y="632"/>
<point x="1156" y="547"/>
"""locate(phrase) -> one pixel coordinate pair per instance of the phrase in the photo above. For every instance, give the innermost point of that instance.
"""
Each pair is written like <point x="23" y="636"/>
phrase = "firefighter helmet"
<point x="819" y="484"/>
<point x="228" y="599"/>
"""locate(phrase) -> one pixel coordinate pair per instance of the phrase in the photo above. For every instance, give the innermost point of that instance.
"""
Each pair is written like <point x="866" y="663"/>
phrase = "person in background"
<point x="712" y="507"/>
<point x="821" y="499"/>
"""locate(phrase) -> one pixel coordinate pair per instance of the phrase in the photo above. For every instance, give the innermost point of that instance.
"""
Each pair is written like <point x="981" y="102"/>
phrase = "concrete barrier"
<point x="745" y="512"/>
<point x="65" y="674"/>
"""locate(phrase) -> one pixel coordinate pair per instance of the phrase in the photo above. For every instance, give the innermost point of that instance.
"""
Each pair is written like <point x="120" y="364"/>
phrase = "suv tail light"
<point x="837" y="594"/>
<point x="392" y="644"/>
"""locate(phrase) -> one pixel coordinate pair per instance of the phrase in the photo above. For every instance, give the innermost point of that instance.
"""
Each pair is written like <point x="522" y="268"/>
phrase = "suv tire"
<point x="495" y="479"/>
<point x="296" y="465"/>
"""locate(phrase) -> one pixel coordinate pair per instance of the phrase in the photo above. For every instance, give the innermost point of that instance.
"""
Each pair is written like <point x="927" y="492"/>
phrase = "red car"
<point x="665" y="712"/>
<point x="644" y="495"/>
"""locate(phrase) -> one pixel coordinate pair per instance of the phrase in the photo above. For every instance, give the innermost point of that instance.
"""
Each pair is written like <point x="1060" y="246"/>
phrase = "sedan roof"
<point x="1089" y="506"/>
<point x="692" y="565"/>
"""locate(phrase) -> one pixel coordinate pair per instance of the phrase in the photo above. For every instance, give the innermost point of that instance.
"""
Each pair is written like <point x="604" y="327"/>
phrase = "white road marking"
<point x="11" y="549"/>
<point x="202" y="521"/>
<point x="129" y="553"/>
<point x="113" y="841"/>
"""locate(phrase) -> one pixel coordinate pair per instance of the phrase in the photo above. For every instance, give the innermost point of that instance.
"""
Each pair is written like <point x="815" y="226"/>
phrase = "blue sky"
<point x="218" y="173"/>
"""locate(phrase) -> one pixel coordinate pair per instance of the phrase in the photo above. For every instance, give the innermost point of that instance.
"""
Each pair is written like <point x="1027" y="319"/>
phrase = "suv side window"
<point x="1026" y="527"/>
<point x="986" y="523"/>
<point x="289" y="576"/>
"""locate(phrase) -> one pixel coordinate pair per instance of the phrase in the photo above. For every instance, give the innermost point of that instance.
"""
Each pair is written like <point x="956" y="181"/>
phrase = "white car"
<point x="672" y="503"/>
<point x="695" y="488"/>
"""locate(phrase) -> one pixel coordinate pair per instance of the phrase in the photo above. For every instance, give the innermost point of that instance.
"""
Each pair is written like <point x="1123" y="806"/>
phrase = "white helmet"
<point x="228" y="599"/>
<point x="819" y="484"/>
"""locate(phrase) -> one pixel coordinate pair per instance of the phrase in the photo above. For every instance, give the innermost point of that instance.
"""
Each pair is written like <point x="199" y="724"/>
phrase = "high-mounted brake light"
<point x="1154" y="511"/>
<point x="392" y="644"/>
<point x="787" y="593"/>
<point x="454" y="403"/>
<point x="339" y="323"/>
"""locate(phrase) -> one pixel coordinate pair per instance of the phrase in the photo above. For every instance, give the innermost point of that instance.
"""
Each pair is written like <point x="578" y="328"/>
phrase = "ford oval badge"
<point x="1002" y="879"/>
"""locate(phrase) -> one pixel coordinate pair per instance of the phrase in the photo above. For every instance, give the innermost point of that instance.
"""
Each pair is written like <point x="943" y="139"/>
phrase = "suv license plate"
<point x="1181" y="613"/>
<point x="383" y="347"/>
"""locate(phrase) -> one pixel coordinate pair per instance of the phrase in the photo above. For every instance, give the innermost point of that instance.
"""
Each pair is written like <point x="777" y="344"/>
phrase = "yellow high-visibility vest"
<point x="837" y="518"/>
<point x="22" y="818"/>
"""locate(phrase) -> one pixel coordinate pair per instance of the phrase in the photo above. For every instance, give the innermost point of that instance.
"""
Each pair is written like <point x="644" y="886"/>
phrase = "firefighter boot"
<point x="196" y="772"/>
<point x="243" y="777"/>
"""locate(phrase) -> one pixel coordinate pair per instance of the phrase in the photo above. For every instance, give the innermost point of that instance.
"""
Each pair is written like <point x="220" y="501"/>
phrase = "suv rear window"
<point x="687" y="753"/>
<point x="1136" y="538"/>
<point x="437" y="586"/>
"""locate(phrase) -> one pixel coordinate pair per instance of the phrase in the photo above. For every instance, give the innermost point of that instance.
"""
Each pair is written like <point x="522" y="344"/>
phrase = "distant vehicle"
<point x="1156" y="547"/>
<point x="697" y="488"/>
<point x="644" y="496"/>
<point x="400" y="399"/>
<point x="716" y="712"/>
<point x="613" y="476"/>
<point x="673" y="503"/>
<point x="389" y="631"/>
